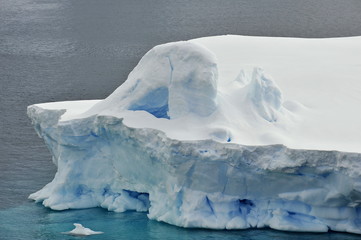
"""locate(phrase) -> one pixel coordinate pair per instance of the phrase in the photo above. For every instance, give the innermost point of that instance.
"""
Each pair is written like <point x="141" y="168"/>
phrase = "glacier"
<point x="200" y="135"/>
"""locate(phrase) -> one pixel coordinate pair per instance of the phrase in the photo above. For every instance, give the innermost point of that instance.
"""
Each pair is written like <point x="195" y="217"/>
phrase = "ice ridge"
<point x="265" y="95"/>
<point x="170" y="81"/>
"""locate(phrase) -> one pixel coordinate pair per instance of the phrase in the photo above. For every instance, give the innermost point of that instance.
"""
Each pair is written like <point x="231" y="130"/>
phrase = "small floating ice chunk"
<point x="80" y="230"/>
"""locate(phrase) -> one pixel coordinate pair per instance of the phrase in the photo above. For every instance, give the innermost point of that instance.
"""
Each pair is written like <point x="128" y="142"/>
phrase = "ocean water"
<point x="56" y="50"/>
<point x="33" y="221"/>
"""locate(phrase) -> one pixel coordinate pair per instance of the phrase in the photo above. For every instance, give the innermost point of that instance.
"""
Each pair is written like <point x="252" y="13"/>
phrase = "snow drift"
<point x="200" y="135"/>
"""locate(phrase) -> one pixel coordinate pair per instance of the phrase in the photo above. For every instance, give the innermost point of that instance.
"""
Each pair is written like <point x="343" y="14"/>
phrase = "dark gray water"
<point x="55" y="50"/>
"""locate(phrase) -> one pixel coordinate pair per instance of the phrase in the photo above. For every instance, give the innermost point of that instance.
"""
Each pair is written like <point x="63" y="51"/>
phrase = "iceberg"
<point x="200" y="135"/>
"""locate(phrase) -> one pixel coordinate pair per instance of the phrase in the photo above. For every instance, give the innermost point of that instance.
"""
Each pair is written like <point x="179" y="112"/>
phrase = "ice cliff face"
<point x="173" y="141"/>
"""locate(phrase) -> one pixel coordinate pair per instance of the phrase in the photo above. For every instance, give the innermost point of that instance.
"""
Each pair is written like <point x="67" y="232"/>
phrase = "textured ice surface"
<point x="201" y="136"/>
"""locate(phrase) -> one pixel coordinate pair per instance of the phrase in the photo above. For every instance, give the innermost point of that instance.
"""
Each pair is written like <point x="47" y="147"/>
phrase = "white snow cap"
<point x="221" y="88"/>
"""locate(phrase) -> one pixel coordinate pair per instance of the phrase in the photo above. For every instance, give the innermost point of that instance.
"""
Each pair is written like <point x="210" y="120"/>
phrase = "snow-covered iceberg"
<point x="200" y="135"/>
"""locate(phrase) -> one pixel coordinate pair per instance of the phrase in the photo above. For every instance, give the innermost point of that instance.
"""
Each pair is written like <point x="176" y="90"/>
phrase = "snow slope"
<point x="201" y="135"/>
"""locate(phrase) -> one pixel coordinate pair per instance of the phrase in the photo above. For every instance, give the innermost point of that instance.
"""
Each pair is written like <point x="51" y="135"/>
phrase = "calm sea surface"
<point x="55" y="50"/>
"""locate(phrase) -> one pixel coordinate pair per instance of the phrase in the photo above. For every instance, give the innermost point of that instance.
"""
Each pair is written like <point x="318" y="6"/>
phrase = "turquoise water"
<point x="33" y="221"/>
